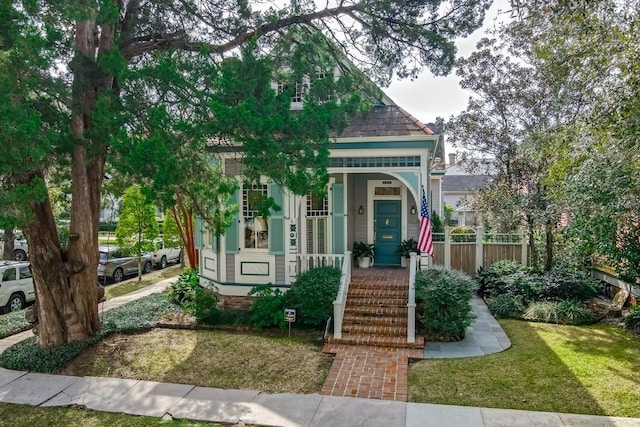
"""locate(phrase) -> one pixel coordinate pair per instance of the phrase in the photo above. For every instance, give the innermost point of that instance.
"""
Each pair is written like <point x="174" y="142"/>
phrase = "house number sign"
<point x="386" y="221"/>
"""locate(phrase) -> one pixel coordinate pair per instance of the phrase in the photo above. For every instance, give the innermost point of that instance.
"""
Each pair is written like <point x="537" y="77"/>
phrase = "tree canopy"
<point x="148" y="86"/>
<point x="556" y="108"/>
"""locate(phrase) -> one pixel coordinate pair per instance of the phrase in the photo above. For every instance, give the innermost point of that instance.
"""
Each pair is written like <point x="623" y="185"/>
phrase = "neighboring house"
<point x="377" y="167"/>
<point x="458" y="189"/>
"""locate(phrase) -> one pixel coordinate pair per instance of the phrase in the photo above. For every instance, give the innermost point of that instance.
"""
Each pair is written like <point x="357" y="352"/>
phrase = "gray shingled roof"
<point x="464" y="182"/>
<point x="385" y="120"/>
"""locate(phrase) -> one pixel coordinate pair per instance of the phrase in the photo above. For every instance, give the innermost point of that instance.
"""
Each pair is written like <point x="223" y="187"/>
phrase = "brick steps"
<point x="377" y="341"/>
<point x="375" y="302"/>
<point x="375" y="320"/>
<point x="392" y="331"/>
<point x="376" y="312"/>
<point x="378" y="293"/>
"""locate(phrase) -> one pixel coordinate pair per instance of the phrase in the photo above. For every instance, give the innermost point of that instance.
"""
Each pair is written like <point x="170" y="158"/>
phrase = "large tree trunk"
<point x="66" y="281"/>
<point x="549" y="246"/>
<point x="7" y="244"/>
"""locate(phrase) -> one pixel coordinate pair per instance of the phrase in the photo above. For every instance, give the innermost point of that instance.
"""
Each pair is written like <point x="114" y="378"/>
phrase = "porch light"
<point x="361" y="210"/>
<point x="413" y="210"/>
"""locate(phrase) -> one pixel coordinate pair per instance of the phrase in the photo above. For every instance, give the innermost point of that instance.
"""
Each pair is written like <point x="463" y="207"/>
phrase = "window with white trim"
<point x="256" y="228"/>
<point x="317" y="219"/>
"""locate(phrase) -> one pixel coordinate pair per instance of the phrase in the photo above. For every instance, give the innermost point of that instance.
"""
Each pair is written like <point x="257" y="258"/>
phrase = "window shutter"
<point x="232" y="232"/>
<point x="198" y="231"/>
<point x="338" y="219"/>
<point x="276" y="222"/>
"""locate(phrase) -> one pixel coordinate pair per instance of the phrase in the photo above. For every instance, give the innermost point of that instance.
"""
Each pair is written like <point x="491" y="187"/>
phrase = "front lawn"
<point x="588" y="370"/>
<point x="29" y="416"/>
<point x="272" y="364"/>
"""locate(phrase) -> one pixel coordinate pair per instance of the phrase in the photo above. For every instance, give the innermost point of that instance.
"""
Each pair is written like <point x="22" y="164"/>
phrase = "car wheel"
<point x="19" y="255"/>
<point x="147" y="267"/>
<point x="16" y="302"/>
<point x="118" y="275"/>
<point x="163" y="262"/>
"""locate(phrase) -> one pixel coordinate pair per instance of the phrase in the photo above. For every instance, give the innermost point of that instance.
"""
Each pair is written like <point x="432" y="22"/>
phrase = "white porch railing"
<point x="411" y="304"/>
<point x="308" y="261"/>
<point x="341" y="299"/>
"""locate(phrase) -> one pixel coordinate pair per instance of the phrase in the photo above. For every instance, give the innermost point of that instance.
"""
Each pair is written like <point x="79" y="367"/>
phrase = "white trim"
<point x="387" y="138"/>
<point x="371" y="186"/>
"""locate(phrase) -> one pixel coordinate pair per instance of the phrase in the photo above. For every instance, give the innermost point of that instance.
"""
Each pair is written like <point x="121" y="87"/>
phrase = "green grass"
<point x="29" y="416"/>
<point x="558" y="368"/>
<point x="209" y="358"/>
<point x="132" y="285"/>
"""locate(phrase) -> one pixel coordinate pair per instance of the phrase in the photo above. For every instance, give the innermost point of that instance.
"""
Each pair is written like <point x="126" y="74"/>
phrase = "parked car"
<point x="162" y="255"/>
<point x="114" y="265"/>
<point x="16" y="285"/>
<point x="20" y="248"/>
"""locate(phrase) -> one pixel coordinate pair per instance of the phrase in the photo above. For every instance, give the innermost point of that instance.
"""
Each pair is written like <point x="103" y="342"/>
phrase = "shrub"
<point x="575" y="313"/>
<point x="135" y="315"/>
<point x="522" y="283"/>
<point x="444" y="297"/>
<point x="194" y="299"/>
<point x="201" y="303"/>
<point x="545" y="311"/>
<point x="491" y="279"/>
<point x="566" y="283"/>
<point x="183" y="288"/>
<point x="463" y="234"/>
<point x="506" y="306"/>
<point x="565" y="312"/>
<point x="632" y="321"/>
<point x="268" y="307"/>
<point x="313" y="295"/>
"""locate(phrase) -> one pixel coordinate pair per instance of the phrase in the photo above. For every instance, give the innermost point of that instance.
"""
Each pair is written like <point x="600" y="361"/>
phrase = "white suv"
<point x="20" y="248"/>
<point x="16" y="285"/>
<point x="162" y="254"/>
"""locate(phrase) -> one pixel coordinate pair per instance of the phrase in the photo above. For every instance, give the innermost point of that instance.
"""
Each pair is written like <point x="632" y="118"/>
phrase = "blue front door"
<point x="386" y="228"/>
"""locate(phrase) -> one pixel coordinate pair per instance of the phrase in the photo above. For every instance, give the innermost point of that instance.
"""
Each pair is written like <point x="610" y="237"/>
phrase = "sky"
<point x="428" y="97"/>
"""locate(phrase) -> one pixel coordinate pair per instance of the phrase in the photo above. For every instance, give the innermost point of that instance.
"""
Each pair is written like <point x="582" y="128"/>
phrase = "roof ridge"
<point x="424" y="128"/>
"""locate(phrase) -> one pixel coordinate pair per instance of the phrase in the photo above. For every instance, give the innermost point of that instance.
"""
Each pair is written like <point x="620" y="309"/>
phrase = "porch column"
<point x="425" y="176"/>
<point x="447" y="247"/>
<point x="479" y="248"/>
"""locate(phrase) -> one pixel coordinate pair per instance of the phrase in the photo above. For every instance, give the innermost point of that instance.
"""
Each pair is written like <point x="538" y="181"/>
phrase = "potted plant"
<point x="405" y="249"/>
<point x="363" y="252"/>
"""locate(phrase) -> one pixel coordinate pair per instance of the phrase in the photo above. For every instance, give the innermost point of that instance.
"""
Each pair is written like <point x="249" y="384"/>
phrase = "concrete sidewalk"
<point x="254" y="407"/>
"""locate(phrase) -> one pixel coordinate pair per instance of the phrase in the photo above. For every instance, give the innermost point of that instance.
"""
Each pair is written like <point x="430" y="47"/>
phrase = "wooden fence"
<point x="468" y="252"/>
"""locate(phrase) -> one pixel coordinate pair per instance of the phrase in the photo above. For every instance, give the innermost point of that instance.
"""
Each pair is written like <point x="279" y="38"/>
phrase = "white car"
<point x="162" y="255"/>
<point x="16" y="285"/>
<point x="20" y="248"/>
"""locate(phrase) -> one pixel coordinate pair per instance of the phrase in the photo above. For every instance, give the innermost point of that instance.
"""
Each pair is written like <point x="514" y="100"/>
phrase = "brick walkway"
<point x="373" y="371"/>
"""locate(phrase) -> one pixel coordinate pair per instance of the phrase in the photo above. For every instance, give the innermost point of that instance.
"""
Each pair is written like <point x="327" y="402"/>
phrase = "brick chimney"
<point x="452" y="159"/>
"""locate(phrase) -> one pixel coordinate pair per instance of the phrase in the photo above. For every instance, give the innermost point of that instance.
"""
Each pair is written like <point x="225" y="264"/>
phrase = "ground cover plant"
<point x="12" y="323"/>
<point x="444" y="297"/>
<point x="133" y="316"/>
<point x="557" y="296"/>
<point x="272" y="363"/>
<point x="559" y="368"/>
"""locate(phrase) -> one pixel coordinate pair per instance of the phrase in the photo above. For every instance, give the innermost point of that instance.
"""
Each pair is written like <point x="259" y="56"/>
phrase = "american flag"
<point x="425" y="239"/>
